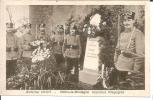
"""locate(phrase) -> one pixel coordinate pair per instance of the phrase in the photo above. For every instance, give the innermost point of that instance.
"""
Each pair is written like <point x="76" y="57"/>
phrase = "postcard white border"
<point x="3" y="91"/>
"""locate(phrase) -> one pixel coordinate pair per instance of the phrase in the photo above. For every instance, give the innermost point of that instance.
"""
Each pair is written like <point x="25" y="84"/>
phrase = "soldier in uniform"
<point x="67" y="28"/>
<point x="72" y="52"/>
<point x="42" y="33"/>
<point x="12" y="50"/>
<point x="130" y="48"/>
<point x="58" y="39"/>
<point x="27" y="38"/>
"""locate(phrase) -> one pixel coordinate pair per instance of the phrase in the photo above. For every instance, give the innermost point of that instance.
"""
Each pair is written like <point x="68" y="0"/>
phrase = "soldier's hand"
<point x="115" y="61"/>
<point x="115" y="58"/>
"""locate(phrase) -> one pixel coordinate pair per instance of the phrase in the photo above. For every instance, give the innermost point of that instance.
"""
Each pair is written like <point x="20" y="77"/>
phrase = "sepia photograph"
<point x="75" y="47"/>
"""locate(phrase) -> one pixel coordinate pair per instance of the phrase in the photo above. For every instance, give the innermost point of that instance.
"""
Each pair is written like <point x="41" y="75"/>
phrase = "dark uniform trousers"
<point x="27" y="62"/>
<point x="72" y="62"/>
<point x="122" y="75"/>
<point x="59" y="58"/>
<point x="10" y="67"/>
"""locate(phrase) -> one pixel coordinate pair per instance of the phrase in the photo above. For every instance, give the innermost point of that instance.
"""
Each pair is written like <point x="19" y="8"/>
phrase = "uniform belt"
<point x="72" y="46"/>
<point x="125" y="54"/>
<point x="9" y="49"/>
<point x="56" y="43"/>
<point x="28" y="50"/>
<point x="128" y="55"/>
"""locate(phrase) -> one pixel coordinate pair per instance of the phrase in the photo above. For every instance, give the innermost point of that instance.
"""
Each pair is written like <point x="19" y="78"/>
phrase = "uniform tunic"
<point x="72" y="41"/>
<point x="137" y="46"/>
<point x="58" y="40"/>
<point x="12" y="47"/>
<point x="26" y="39"/>
<point x="44" y="37"/>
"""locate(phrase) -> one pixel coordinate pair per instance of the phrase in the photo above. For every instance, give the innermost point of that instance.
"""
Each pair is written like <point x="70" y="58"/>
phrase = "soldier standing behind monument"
<point x="72" y="52"/>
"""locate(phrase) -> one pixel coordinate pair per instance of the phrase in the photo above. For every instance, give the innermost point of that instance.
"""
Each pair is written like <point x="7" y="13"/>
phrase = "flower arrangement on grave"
<point x="40" y="54"/>
<point x="44" y="61"/>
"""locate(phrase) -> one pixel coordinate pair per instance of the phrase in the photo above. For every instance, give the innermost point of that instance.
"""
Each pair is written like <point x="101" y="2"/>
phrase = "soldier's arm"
<point x="36" y="37"/>
<point x="19" y="45"/>
<point x="64" y="44"/>
<point x="50" y="40"/>
<point x="140" y="50"/>
<point x="116" y="54"/>
<point x="79" y="43"/>
<point x="140" y="43"/>
<point x="23" y="43"/>
<point x="52" y="37"/>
